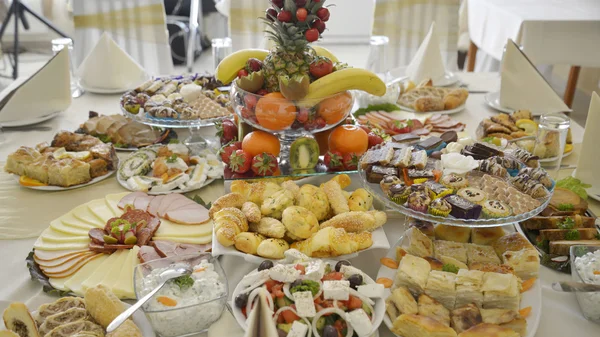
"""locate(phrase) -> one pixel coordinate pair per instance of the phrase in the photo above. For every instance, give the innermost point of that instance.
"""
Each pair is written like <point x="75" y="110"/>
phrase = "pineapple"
<point x="291" y="29"/>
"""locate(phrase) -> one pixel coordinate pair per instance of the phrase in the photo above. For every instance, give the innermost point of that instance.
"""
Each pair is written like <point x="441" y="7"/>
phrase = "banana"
<point x="325" y="52"/>
<point x="227" y="70"/>
<point x="345" y="79"/>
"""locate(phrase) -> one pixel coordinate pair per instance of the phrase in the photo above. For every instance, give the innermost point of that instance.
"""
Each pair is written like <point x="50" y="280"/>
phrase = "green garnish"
<point x="566" y="207"/>
<point x="572" y="234"/>
<point x="200" y="201"/>
<point x="184" y="282"/>
<point x="598" y="236"/>
<point x="580" y="251"/>
<point x="120" y="145"/>
<point x="544" y="245"/>
<point x="387" y="107"/>
<point x="104" y="138"/>
<point x="488" y="139"/>
<point x="306" y="285"/>
<point x="410" y="123"/>
<point x="568" y="223"/>
<point x="574" y="185"/>
<point x="174" y="141"/>
<point x="449" y="267"/>
<point x="118" y="222"/>
<point x="172" y="158"/>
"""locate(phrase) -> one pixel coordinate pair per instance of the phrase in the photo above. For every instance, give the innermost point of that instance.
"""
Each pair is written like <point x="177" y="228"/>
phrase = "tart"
<point x="419" y="201"/>
<point x="495" y="209"/>
<point x="387" y="182"/>
<point x="438" y="190"/>
<point x="463" y="208"/>
<point x="472" y="194"/>
<point x="398" y="193"/>
<point x="454" y="181"/>
<point x="439" y="207"/>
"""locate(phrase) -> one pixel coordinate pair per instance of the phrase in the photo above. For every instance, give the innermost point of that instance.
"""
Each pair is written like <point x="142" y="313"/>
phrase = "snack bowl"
<point x="585" y="267"/>
<point x="181" y="308"/>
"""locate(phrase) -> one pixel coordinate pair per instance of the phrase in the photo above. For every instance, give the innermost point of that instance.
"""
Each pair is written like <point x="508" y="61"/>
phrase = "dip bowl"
<point x="589" y="302"/>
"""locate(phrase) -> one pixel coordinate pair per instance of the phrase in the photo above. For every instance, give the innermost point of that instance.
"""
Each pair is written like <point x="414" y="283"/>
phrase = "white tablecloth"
<point x="550" y="31"/>
<point x="560" y="315"/>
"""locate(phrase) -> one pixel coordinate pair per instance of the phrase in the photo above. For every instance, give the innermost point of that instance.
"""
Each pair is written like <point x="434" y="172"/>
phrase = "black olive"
<point x="241" y="300"/>
<point x="266" y="264"/>
<point x="330" y="331"/>
<point x="341" y="263"/>
<point x="281" y="333"/>
<point x="355" y="281"/>
<point x="296" y="283"/>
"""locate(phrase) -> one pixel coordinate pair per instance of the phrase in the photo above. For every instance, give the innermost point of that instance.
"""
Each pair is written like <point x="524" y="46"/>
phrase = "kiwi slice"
<point x="304" y="153"/>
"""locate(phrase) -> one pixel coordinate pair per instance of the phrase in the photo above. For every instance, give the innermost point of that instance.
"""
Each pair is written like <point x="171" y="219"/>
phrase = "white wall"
<point x="351" y="21"/>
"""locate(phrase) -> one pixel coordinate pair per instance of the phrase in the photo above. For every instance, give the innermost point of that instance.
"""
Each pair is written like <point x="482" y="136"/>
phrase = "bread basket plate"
<point x="138" y="317"/>
<point x="30" y="121"/>
<point x="443" y="112"/>
<point x="59" y="188"/>
<point x="532" y="297"/>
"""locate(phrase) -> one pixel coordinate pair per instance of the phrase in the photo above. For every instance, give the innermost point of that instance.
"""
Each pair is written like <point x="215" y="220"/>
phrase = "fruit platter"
<point x="177" y="101"/>
<point x="171" y="168"/>
<point x="262" y="219"/>
<point x="327" y="298"/>
<point x="461" y="280"/>
<point x="471" y="184"/>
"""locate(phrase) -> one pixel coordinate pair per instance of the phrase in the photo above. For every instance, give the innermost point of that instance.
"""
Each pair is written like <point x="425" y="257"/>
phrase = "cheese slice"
<point x="170" y="229"/>
<point x="112" y="274"/>
<point x="51" y="235"/>
<point x="74" y="283"/>
<point x="123" y="288"/>
<point x="200" y="240"/>
<point x="83" y="213"/>
<point x="45" y="245"/>
<point x="99" y="208"/>
<point x="100" y="273"/>
<point x="59" y="226"/>
<point x="70" y="220"/>
<point x="112" y="201"/>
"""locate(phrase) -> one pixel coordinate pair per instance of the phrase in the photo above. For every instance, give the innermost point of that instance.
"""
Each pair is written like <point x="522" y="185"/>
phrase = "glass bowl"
<point x="275" y="114"/>
<point x="589" y="302"/>
<point x="193" y="316"/>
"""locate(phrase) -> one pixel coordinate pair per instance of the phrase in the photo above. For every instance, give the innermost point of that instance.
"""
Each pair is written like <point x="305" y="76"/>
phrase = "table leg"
<point x="471" y="55"/>
<point x="571" y="85"/>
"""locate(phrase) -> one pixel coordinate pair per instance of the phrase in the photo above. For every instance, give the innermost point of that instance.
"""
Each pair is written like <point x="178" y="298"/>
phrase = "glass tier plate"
<point x="375" y="190"/>
<point x="147" y="119"/>
<point x="286" y="172"/>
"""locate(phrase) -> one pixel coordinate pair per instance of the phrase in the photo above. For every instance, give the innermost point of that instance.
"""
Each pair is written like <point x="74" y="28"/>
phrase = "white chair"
<point x="139" y="27"/>
<point x="406" y="22"/>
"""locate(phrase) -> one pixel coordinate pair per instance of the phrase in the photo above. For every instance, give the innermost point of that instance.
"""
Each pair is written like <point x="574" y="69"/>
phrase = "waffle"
<point x="207" y="108"/>
<point x="501" y="190"/>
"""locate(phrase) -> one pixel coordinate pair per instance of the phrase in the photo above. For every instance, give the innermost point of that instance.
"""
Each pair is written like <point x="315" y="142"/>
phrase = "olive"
<point x="341" y="263"/>
<point x="241" y="300"/>
<point x="281" y="333"/>
<point x="355" y="281"/>
<point x="296" y="283"/>
<point x="266" y="264"/>
<point x="330" y="331"/>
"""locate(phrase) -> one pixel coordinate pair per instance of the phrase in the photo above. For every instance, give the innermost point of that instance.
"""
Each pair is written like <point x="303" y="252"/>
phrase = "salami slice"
<point x="97" y="235"/>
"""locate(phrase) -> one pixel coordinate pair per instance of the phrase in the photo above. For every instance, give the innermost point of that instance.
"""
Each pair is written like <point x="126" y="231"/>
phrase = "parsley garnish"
<point x="172" y="158"/>
<point x="598" y="236"/>
<point x="568" y="223"/>
<point x="544" y="245"/>
<point x="488" y="139"/>
<point x="199" y="200"/>
<point x="184" y="282"/>
<point x="104" y="138"/>
<point x="173" y="141"/>
<point x="387" y="107"/>
<point x="449" y="267"/>
<point x="572" y="234"/>
<point x="566" y="207"/>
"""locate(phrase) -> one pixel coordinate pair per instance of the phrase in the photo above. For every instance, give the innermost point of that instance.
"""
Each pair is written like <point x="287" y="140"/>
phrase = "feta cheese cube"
<point x="305" y="305"/>
<point x="349" y="271"/>
<point x="336" y="290"/>
<point x="360" y="322"/>
<point x="315" y="270"/>
<point x="284" y="273"/>
<point x="298" y="330"/>
<point x="294" y="256"/>
<point x="371" y="290"/>
<point x="255" y="277"/>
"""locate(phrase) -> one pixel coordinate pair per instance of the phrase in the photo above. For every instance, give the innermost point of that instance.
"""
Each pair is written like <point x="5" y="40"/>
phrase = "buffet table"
<point x="24" y="213"/>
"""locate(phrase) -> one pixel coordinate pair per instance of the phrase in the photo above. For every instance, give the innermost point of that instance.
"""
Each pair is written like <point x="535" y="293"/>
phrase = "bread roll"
<point x="272" y="248"/>
<point x="229" y="222"/>
<point x="455" y="98"/>
<point x="270" y="227"/>
<point x="313" y="198"/>
<point x="228" y="200"/>
<point x="511" y="242"/>
<point x="251" y="211"/>
<point x="299" y="222"/>
<point x="428" y="104"/>
<point x="248" y="242"/>
<point x="360" y="200"/>
<point x="17" y="318"/>
<point x="103" y="305"/>
<point x="336" y="198"/>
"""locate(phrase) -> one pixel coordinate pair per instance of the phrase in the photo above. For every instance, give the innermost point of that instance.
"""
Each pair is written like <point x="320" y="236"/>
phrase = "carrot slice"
<point x="407" y="180"/>
<point x="528" y="284"/>
<point x="199" y="270"/>
<point x="167" y="301"/>
<point x="390" y="263"/>
<point x="525" y="312"/>
<point x="387" y="283"/>
<point x="596" y="272"/>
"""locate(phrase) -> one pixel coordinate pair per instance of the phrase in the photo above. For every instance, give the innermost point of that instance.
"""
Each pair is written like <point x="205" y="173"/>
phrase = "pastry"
<point x="251" y="211"/>
<point x="103" y="305"/>
<point x="360" y="200"/>
<point x="468" y="288"/>
<point x="379" y="155"/>
<point x="255" y="192"/>
<point x="387" y="182"/>
<point x="376" y="173"/>
<point x="418" y="201"/>
<point x="438" y="190"/>
<point x="233" y="199"/>
<point x="525" y="262"/>
<point x="431" y="144"/>
<point x="481" y="254"/>
<point x="272" y="248"/>
<point x="17" y="318"/>
<point x="419" y="159"/>
<point x="452" y="261"/>
<point x="420" y="326"/>
<point x="355" y="222"/>
<point x="435" y="264"/>
<point x="127" y="329"/>
<point x="418" y="243"/>
<point x="402" y="157"/>
<point x="60" y="305"/>
<point x="70" y="329"/>
<point x="439" y="207"/>
<point x="492" y="268"/>
<point x="530" y="186"/>
<point x="526" y="157"/>
<point x="472" y="194"/>
<point x="331" y="242"/>
<point x="452" y="249"/>
<point x="505" y="318"/>
<point x="314" y="199"/>
<point x="399" y="193"/>
<point x="413" y="272"/>
<point x="390" y="310"/>
<point x="507" y="162"/>
<point x="511" y="242"/>
<point x="495" y="209"/>
<point x="492" y="167"/>
<point x="404" y="301"/>
<point x="500" y="291"/>
<point x="337" y="200"/>
<point x="228" y="223"/>
<point x="431" y="308"/>
<point x="454" y="181"/>
<point x="538" y="174"/>
<point x="299" y="222"/>
<point x="424" y="226"/>
<point x="67" y="316"/>
<point x="441" y="286"/>
<point x="247" y="242"/>
<point x="486" y="329"/>
<point x="428" y="104"/>
<point x="455" y="98"/>
<point x="269" y="227"/>
<point x="274" y="205"/>
<point x="465" y="317"/>
<point x="462" y="208"/>
<point x="419" y="176"/>
<point x="452" y="233"/>
<point x="485" y="236"/>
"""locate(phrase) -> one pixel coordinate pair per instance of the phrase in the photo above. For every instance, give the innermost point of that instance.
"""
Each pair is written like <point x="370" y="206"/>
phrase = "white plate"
<point x="447" y="80"/>
<point x="532" y="297"/>
<point x="111" y="91"/>
<point x="175" y="190"/>
<point x="58" y="188"/>
<point x="379" y="306"/>
<point x="493" y="100"/>
<point x="138" y="318"/>
<point x="30" y="121"/>
<point x="443" y="112"/>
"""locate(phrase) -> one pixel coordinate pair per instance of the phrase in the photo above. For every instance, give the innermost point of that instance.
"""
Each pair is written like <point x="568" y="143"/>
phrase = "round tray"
<point x="145" y="118"/>
<point x="375" y="190"/>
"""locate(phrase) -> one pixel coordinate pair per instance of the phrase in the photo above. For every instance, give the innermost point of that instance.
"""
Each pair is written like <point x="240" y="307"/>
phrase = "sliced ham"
<point x="154" y="204"/>
<point x="164" y="248"/>
<point x="147" y="253"/>
<point x="186" y="248"/>
<point x="97" y="235"/>
<point x="129" y="199"/>
<point x="420" y="132"/>
<point x="167" y="201"/>
<point x="169" y="248"/>
<point x="446" y="124"/>
<point x="190" y="215"/>
<point x="142" y="202"/>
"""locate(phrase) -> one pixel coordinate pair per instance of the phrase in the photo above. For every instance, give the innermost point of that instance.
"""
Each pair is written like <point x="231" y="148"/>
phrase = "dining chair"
<point x="406" y="23"/>
<point x="139" y="27"/>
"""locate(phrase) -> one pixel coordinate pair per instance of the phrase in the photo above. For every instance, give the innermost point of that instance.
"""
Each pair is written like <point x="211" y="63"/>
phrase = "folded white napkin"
<point x="109" y="67"/>
<point x="523" y="87"/>
<point x="427" y="63"/>
<point x="45" y="92"/>
<point x="260" y="322"/>
<point x="589" y="161"/>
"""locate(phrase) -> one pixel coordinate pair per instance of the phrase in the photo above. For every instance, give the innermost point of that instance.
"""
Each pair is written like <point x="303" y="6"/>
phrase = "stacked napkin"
<point x="589" y="161"/>
<point x="427" y="63"/>
<point x="109" y="67"/>
<point x="45" y="92"/>
<point x="523" y="87"/>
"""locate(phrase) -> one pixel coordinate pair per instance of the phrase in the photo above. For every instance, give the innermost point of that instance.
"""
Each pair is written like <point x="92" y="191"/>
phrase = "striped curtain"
<point x="139" y="27"/>
<point x="406" y="22"/>
<point x="245" y="30"/>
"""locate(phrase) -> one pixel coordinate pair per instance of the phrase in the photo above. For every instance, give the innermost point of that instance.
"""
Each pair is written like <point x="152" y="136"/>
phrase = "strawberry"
<point x="226" y="130"/>
<point x="228" y="149"/>
<point x="350" y="161"/>
<point x="250" y="101"/>
<point x="312" y="35"/>
<point x="320" y="67"/>
<point x="284" y="16"/>
<point x="262" y="92"/>
<point x="333" y="160"/>
<point x="374" y="139"/>
<point x="264" y="164"/>
<point x="303" y="115"/>
<point x="323" y="14"/>
<point x="319" y="25"/>
<point x="253" y="65"/>
<point x="271" y="14"/>
<point x="301" y="14"/>
<point x="240" y="161"/>
<point x="242" y="73"/>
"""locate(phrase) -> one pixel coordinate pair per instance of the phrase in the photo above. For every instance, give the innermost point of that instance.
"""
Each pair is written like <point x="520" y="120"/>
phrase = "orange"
<point x="335" y="108"/>
<point x="274" y="112"/>
<point x="349" y="138"/>
<point x="26" y="181"/>
<point x="257" y="142"/>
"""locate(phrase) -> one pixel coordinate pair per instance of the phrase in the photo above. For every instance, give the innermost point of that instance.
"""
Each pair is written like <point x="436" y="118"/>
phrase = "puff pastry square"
<point x="433" y="309"/>
<point x="452" y="249"/>
<point x="501" y="291"/>
<point x="412" y="273"/>
<point x="420" y="326"/>
<point x="505" y="318"/>
<point x="404" y="301"/>
<point x="511" y="242"/>
<point x="525" y="262"/>
<point x="441" y="286"/>
<point x="464" y="318"/>
<point x="481" y="254"/>
<point x="453" y="233"/>
<point x="468" y="288"/>
<point x="486" y="236"/>
<point x="489" y="330"/>
<point x="419" y="244"/>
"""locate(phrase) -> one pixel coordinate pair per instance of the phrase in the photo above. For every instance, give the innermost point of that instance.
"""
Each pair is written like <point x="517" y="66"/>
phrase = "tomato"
<point x="289" y="316"/>
<point x="333" y="276"/>
<point x="270" y="284"/>
<point x="340" y="326"/>
<point x="312" y="35"/>
<point x="301" y="268"/>
<point x="244" y="312"/>
<point x="301" y="14"/>
<point x="278" y="291"/>
<point x="354" y="303"/>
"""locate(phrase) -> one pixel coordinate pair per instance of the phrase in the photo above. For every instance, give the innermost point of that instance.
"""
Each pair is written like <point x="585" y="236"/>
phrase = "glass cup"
<point x="221" y="48"/>
<point x="377" y="62"/>
<point x="58" y="45"/>
<point x="550" y="141"/>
